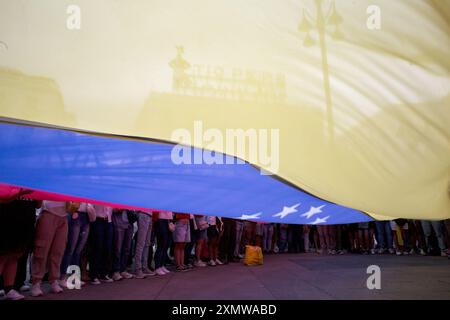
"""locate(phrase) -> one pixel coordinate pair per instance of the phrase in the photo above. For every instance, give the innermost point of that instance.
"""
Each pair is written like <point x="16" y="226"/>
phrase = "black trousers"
<point x="228" y="240"/>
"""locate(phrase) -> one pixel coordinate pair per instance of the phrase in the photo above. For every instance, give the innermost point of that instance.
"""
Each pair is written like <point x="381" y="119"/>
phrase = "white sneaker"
<point x="212" y="263"/>
<point x="422" y="252"/>
<point x="372" y="251"/>
<point x="165" y="269"/>
<point x="95" y="281"/>
<point x="2" y="293"/>
<point x="240" y="256"/>
<point x="14" y="295"/>
<point x="25" y="288"/>
<point x="55" y="287"/>
<point x="36" y="290"/>
<point x="199" y="264"/>
<point x="160" y="272"/>
<point x="116" y="276"/>
<point x="218" y="262"/>
<point x="398" y="252"/>
<point x="126" y="275"/>
<point x="107" y="279"/>
<point x="391" y="251"/>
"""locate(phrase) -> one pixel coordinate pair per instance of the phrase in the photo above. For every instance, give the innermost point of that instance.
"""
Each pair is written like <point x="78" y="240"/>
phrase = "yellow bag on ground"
<point x="253" y="256"/>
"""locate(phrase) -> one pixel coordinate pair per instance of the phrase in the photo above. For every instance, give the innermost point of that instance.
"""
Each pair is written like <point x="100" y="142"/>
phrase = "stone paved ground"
<point x="289" y="276"/>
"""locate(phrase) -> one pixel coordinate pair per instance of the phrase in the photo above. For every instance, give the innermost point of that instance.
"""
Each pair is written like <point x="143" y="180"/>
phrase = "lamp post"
<point x="321" y="22"/>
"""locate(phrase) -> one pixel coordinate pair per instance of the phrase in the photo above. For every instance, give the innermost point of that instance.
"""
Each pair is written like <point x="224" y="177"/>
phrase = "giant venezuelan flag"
<point x="93" y="95"/>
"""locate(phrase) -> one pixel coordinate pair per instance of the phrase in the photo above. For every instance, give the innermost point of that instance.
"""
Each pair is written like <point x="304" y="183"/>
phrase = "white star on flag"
<point x="321" y="220"/>
<point x="250" y="216"/>
<point x="286" y="211"/>
<point x="312" y="211"/>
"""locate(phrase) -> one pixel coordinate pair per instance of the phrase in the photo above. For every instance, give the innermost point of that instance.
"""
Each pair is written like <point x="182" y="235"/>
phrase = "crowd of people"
<point x="111" y="244"/>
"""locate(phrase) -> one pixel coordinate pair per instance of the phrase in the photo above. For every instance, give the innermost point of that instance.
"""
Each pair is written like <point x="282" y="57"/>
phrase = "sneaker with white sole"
<point x="24" y="288"/>
<point x="211" y="263"/>
<point x="199" y="264"/>
<point x="160" y="272"/>
<point x="126" y="275"/>
<point x="391" y="251"/>
<point x="55" y="287"/>
<point x="148" y="272"/>
<point x="218" y="262"/>
<point x="139" y="274"/>
<point x="422" y="252"/>
<point x="165" y="269"/>
<point x="106" y="279"/>
<point x="95" y="281"/>
<point x="36" y="290"/>
<point x="117" y="276"/>
<point x="443" y="253"/>
<point x="2" y="293"/>
<point x="14" y="295"/>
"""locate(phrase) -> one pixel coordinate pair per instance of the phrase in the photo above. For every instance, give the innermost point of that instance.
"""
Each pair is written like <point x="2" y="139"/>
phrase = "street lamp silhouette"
<point x="320" y="23"/>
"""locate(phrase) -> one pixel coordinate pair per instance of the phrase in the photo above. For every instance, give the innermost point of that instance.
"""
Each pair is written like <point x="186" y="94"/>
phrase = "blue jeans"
<point x="384" y="230"/>
<point x="437" y="227"/>
<point x="102" y="236"/>
<point x="76" y="240"/>
<point x="283" y="239"/>
<point x="267" y="236"/>
<point x="122" y="247"/>
<point x="162" y="241"/>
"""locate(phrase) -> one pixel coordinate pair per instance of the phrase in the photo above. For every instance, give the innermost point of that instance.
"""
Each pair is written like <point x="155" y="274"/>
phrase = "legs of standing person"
<point x="213" y="242"/>
<point x="386" y="227"/>
<point x="239" y="232"/>
<point x="119" y="236"/>
<point x="227" y="241"/>
<point x="265" y="230"/>
<point x="21" y="274"/>
<point x="162" y="242"/>
<point x="126" y="251"/>
<point x="322" y="231"/>
<point x="306" y="237"/>
<point x="106" y="254"/>
<point x="447" y="228"/>
<point x="8" y="269"/>
<point x="179" y="254"/>
<point x="426" y="227"/>
<point x="82" y="239"/>
<point x="437" y="227"/>
<point x="45" y="231"/>
<point x="269" y="235"/>
<point x="50" y="243"/>
<point x="97" y="250"/>
<point x="57" y="249"/>
<point x="143" y="241"/>
<point x="190" y="245"/>
<point x="331" y="240"/>
<point x="74" y="228"/>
